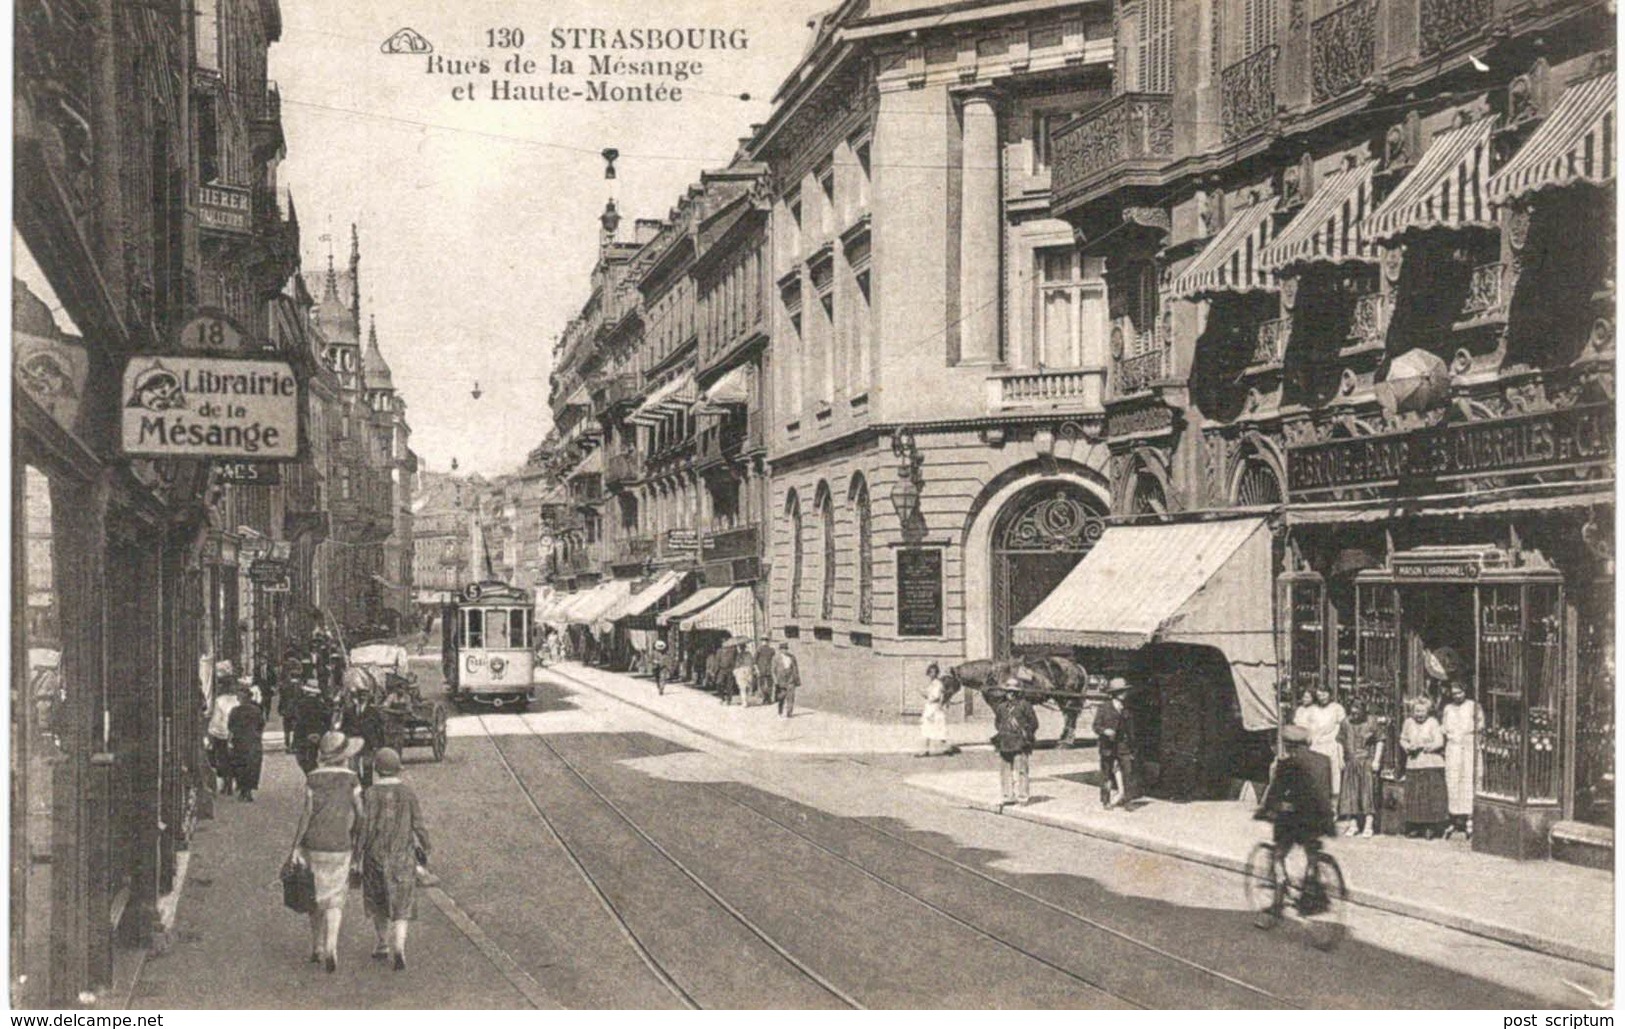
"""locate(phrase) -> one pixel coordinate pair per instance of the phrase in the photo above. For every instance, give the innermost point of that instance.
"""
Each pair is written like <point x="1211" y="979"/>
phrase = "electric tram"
<point x="487" y="645"/>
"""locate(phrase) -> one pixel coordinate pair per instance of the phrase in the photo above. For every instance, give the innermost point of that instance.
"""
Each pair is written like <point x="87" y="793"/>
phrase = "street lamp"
<point x="905" y="493"/>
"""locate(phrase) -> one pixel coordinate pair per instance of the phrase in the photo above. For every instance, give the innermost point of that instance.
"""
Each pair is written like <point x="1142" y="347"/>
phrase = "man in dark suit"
<point x="1299" y="802"/>
<point x="1114" y="738"/>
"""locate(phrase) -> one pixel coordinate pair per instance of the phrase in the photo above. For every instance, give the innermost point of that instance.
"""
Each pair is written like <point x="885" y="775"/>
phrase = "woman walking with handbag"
<point x="393" y="843"/>
<point x="325" y="839"/>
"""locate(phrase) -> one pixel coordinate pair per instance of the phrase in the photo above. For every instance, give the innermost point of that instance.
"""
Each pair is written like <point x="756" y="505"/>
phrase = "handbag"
<point x="298" y="887"/>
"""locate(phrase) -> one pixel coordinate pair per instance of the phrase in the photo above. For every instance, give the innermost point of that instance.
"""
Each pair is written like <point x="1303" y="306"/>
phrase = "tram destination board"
<point x="919" y="591"/>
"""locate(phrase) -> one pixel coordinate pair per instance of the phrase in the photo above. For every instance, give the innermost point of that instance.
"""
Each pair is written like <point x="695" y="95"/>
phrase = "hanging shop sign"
<point x="185" y="406"/>
<point x="685" y="541"/>
<point x="249" y="473"/>
<point x="919" y="591"/>
<point x="228" y="209"/>
<point x="1455" y="564"/>
<point x="1564" y="439"/>
<point x="270" y="575"/>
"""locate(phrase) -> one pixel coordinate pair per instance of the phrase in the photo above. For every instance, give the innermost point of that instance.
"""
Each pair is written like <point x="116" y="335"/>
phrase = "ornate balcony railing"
<point x="1269" y="341"/>
<point x="1129" y="131"/>
<point x="1488" y="293"/>
<point x="614" y="391"/>
<point x="1150" y="363"/>
<point x="1343" y="49"/>
<point x="1444" y="22"/>
<point x="1368" y="321"/>
<point x="1247" y="94"/>
<point x="1060" y="387"/>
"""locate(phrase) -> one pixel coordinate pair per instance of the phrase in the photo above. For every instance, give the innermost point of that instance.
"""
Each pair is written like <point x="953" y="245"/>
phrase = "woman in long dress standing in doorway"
<point x="934" y="716"/>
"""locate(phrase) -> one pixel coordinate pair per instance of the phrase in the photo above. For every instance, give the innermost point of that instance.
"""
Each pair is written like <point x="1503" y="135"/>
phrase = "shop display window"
<point x="1520" y="689"/>
<point x="1594" y="714"/>
<point x="1378" y="683"/>
<point x="1307" y="599"/>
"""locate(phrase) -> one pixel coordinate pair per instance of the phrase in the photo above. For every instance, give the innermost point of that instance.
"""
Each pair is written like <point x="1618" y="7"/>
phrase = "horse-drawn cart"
<point x="409" y="720"/>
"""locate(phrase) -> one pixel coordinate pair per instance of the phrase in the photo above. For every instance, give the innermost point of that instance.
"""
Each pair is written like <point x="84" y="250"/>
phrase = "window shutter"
<point x="1157" y="46"/>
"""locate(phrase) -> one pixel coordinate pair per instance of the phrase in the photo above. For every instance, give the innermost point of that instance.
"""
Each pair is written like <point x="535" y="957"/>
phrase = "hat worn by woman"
<point x="387" y="761"/>
<point x="335" y="747"/>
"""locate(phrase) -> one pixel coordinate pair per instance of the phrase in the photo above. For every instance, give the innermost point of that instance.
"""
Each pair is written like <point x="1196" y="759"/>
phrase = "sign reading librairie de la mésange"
<point x="184" y="406"/>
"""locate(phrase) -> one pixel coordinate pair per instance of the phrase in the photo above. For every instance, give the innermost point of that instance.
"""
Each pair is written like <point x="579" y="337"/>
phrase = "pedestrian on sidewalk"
<point x="1363" y="745"/>
<point x="763" y="662"/>
<point x="292" y="680"/>
<point x="662" y="666"/>
<point x="934" y="716"/>
<point x="1324" y="719"/>
<point x="393" y="842"/>
<point x="1460" y="721"/>
<point x="1114" y="738"/>
<point x="329" y="828"/>
<point x="309" y="722"/>
<point x="1015" y="726"/>
<point x="247" y="728"/>
<point x="744" y="674"/>
<point x="786" y="680"/>
<point x="1427" y="803"/>
<point x="226" y="698"/>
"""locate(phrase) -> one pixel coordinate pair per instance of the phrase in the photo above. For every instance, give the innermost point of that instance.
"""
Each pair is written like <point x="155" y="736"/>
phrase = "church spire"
<point x="355" y="274"/>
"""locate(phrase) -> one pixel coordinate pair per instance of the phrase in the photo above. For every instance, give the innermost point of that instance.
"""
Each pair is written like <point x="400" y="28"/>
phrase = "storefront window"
<point x="1594" y="716"/>
<point x="1520" y="686"/>
<point x="1308" y="636"/>
<point x="1378" y="682"/>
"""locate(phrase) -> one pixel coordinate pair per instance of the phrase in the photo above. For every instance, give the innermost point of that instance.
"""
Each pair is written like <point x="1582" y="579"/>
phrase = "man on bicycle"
<point x="1299" y="802"/>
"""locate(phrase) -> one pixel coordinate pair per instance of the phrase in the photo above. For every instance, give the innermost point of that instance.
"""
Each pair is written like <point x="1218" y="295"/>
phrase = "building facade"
<point x="934" y="329"/>
<point x="1359" y="268"/>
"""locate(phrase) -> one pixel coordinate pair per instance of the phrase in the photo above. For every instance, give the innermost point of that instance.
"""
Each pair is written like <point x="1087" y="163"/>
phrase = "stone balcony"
<point x="622" y="468"/>
<point x="633" y="549"/>
<point x="1047" y="389"/>
<point x="1149" y="362"/>
<point x="1130" y="136"/>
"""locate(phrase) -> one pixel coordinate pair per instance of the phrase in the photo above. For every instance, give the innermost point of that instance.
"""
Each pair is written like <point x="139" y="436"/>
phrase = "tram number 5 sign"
<point x="189" y="406"/>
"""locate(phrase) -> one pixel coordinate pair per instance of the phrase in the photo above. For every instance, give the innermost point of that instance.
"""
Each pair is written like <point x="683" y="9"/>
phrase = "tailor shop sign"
<point x="1570" y="438"/>
<point x="212" y="407"/>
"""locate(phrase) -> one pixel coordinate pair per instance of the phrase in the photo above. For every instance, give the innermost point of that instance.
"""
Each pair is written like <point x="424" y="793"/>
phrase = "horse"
<point x="985" y="674"/>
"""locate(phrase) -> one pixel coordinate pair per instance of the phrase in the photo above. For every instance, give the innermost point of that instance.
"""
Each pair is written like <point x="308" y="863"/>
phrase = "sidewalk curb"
<point x="1365" y="898"/>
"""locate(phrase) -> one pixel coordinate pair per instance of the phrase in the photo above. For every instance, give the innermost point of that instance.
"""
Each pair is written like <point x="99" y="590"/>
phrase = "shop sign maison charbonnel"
<point x="1568" y="438"/>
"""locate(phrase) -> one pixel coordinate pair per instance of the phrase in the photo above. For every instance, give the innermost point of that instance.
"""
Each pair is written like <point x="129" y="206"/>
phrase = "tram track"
<point x="1258" y="993"/>
<point x="684" y="994"/>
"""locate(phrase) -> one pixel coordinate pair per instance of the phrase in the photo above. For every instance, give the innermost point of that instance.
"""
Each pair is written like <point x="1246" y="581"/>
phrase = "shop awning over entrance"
<point x="592" y="605"/>
<point x="1574" y="144"/>
<point x="1328" y="229"/>
<point x="735" y="613"/>
<point x="701" y="600"/>
<point x="1205" y="583"/>
<point x="550" y="610"/>
<point x="673" y="398"/>
<point x="641" y="601"/>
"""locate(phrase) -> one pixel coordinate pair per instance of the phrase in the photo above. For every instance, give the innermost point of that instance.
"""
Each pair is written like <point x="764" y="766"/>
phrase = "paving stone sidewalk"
<point x="1546" y="906"/>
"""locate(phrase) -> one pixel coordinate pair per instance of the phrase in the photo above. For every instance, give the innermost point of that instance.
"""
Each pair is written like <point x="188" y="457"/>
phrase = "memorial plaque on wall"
<point x="919" y="591"/>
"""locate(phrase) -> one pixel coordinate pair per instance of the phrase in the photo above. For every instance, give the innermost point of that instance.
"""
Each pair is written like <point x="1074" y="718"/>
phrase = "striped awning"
<point x="1329" y="228"/>
<point x="649" y="596"/>
<point x="1230" y="261"/>
<point x="693" y="605"/>
<point x="732" y="388"/>
<point x="735" y="614"/>
<point x="1446" y="189"/>
<point x="1574" y="144"/>
<point x="674" y="397"/>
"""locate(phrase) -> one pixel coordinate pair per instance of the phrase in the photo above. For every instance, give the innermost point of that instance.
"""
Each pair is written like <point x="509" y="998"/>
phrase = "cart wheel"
<point x="439" y="740"/>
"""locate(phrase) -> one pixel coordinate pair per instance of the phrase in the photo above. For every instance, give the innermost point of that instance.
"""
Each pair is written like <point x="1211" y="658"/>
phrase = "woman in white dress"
<point x="934" y="716"/>
<point x="1324" y="720"/>
<point x="1461" y="721"/>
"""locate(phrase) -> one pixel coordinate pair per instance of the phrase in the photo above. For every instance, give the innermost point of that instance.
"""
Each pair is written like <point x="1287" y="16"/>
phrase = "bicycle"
<point x="1319" y="895"/>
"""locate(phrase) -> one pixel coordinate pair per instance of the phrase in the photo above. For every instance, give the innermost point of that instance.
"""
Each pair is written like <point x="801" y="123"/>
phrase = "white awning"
<point x="1204" y="583"/>
<point x="592" y="605"/>
<point x="652" y="594"/>
<point x="732" y="388"/>
<point x="1574" y="144"/>
<point x="674" y="397"/>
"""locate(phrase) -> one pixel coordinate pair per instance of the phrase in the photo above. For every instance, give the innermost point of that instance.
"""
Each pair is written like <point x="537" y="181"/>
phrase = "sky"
<point x="479" y="219"/>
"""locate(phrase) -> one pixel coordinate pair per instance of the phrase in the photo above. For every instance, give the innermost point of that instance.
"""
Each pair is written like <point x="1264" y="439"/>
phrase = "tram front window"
<point x="497" y="631"/>
<point x="474" y="628"/>
<point x="519" y="628"/>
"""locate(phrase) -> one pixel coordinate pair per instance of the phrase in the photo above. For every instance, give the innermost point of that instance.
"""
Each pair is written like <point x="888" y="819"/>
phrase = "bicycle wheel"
<point x="1262" y="877"/>
<point x="1327" y="927"/>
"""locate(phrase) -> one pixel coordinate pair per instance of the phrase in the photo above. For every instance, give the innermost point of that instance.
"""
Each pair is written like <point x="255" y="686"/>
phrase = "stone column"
<point x="979" y="218"/>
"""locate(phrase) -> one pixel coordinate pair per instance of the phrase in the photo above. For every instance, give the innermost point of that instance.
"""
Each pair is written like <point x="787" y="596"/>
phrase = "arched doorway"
<point x="1043" y="532"/>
